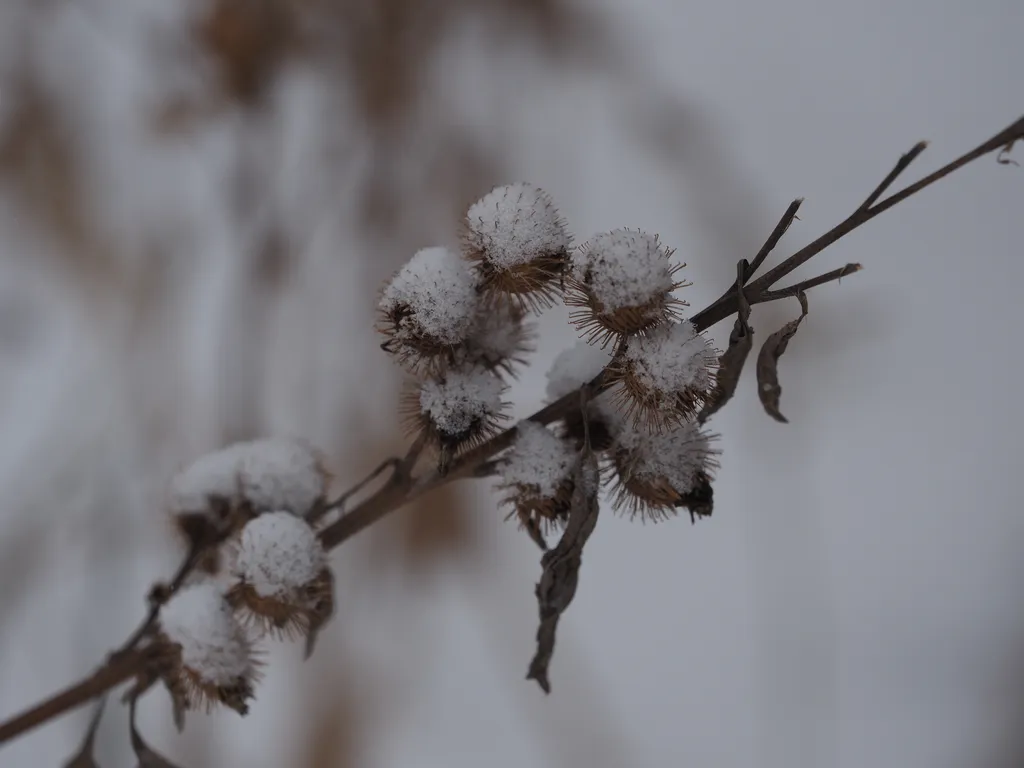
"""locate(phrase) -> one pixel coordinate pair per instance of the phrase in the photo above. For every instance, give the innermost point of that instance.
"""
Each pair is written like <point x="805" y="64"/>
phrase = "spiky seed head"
<point x="536" y="476"/>
<point x="571" y="369"/>
<point x="500" y="340"/>
<point x="665" y="376"/>
<point x="219" y="492"/>
<point x="428" y="308"/>
<point x="622" y="283"/>
<point x="277" y="566"/>
<point x="208" y="657"/>
<point x="657" y="473"/>
<point x="519" y="244"/>
<point x="455" y="410"/>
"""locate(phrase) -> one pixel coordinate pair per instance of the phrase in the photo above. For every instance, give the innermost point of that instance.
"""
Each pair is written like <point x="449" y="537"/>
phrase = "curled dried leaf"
<point x="730" y="364"/>
<point x="148" y="757"/>
<point x="321" y="609"/>
<point x="768" y="388"/>
<point x="561" y="565"/>
<point x="84" y="757"/>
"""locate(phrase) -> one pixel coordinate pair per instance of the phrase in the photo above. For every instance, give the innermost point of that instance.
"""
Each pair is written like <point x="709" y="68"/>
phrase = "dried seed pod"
<point x="279" y="564"/>
<point x="519" y="244"/>
<point x="665" y="376"/>
<point x="622" y="281"/>
<point x="220" y="491"/>
<point x="500" y="339"/>
<point x="536" y="476"/>
<point x="428" y="308"/>
<point x="656" y="473"/>
<point x="571" y="369"/>
<point x="455" y="410"/>
<point x="208" y="658"/>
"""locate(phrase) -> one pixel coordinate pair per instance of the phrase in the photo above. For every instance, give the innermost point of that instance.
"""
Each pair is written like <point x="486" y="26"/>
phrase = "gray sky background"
<point x="854" y="600"/>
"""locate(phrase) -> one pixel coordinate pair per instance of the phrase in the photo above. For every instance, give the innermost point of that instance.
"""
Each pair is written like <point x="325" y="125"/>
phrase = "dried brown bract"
<point x="657" y="474"/>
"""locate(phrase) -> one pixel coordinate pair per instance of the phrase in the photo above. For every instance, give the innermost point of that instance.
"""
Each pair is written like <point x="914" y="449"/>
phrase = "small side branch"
<point x="773" y="238"/>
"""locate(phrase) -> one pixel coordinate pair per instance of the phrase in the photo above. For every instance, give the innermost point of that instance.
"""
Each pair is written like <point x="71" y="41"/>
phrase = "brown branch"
<point x="113" y="673"/>
<point x="901" y="166"/>
<point x="773" y="238"/>
<point x="804" y="285"/>
<point x="726" y="305"/>
<point x="402" y="487"/>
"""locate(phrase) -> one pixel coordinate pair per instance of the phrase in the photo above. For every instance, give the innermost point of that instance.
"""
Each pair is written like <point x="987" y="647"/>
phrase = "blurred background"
<point x="198" y="201"/>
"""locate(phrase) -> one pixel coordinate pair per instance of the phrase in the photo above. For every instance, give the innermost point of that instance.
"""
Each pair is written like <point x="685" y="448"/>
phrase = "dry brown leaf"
<point x="84" y="757"/>
<point x="768" y="388"/>
<point x="561" y="565"/>
<point x="148" y="757"/>
<point x="730" y="364"/>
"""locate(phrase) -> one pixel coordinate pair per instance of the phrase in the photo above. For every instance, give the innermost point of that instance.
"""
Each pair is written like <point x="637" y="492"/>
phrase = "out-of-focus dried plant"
<point x="262" y="502"/>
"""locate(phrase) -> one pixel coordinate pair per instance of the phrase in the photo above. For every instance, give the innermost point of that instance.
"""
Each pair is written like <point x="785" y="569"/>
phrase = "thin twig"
<point x="901" y="166"/>
<point x="392" y="463"/>
<point x="726" y="305"/>
<point x="804" y="285"/>
<point x="773" y="238"/>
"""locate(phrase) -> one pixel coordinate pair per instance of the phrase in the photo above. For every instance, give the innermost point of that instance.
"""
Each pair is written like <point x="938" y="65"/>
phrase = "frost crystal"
<point x="514" y="224"/>
<point x="574" y="367"/>
<point x="461" y="399"/>
<point x="278" y="554"/>
<point x="677" y="456"/>
<point x="438" y="290"/>
<point x="213" y="645"/>
<point x="624" y="269"/>
<point x="538" y="459"/>
<point x="268" y="474"/>
<point x="672" y="358"/>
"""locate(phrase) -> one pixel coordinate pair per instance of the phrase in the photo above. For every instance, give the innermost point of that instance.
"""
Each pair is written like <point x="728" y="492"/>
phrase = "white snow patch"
<point x="440" y="290"/>
<point x="624" y="268"/>
<point x="515" y="224"/>
<point x="281" y="474"/>
<point x="461" y="397"/>
<point x="574" y="367"/>
<point x="539" y="459"/>
<point x="278" y="554"/>
<point x="213" y="644"/>
<point x="271" y="474"/>
<point x="677" y="455"/>
<point x="673" y="358"/>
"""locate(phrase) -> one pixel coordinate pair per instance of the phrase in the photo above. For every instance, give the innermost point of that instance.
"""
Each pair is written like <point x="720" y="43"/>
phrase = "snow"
<point x="574" y="367"/>
<point x="624" y="268"/>
<point x="515" y="224"/>
<point x="270" y="474"/>
<point x="460" y="398"/>
<point x="677" y="456"/>
<point x="538" y="459"/>
<point x="672" y="358"/>
<point x="213" y="644"/>
<point x="212" y="476"/>
<point x="281" y="474"/>
<point x="278" y="553"/>
<point x="439" y="289"/>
